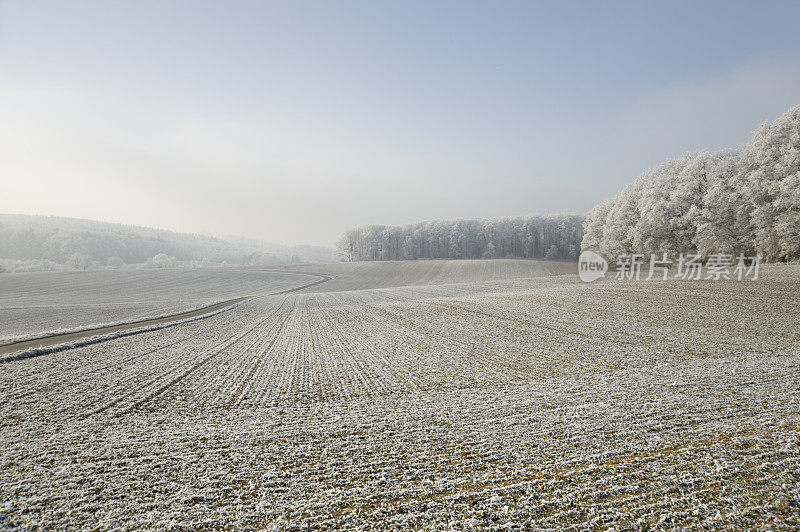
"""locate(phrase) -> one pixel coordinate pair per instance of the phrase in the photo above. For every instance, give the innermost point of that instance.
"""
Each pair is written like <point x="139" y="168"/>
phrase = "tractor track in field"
<point x="61" y="341"/>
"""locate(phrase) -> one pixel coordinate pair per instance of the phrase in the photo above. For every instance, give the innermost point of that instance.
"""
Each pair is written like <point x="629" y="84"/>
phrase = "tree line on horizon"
<point x="556" y="237"/>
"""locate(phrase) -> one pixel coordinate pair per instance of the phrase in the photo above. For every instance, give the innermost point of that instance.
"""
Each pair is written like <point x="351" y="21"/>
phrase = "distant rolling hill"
<point x="49" y="242"/>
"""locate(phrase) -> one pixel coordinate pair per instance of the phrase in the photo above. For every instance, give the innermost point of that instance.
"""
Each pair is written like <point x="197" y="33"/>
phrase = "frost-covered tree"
<point x="771" y="164"/>
<point x="79" y="261"/>
<point x="723" y="223"/>
<point x="668" y="204"/>
<point x="623" y="216"/>
<point x="594" y="225"/>
<point x="162" y="260"/>
<point x="732" y="201"/>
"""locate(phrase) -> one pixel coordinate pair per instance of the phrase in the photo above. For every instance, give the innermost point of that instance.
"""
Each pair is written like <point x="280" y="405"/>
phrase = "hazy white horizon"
<point x="291" y="123"/>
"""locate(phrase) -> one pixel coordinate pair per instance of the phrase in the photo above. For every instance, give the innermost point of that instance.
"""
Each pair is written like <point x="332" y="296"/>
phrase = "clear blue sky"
<point x="294" y="121"/>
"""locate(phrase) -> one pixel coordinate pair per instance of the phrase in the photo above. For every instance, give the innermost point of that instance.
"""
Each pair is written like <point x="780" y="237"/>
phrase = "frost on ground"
<point x="542" y="403"/>
<point x="385" y="274"/>
<point x="38" y="303"/>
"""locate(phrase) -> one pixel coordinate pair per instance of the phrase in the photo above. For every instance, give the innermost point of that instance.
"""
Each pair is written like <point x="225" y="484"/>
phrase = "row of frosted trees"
<point x="535" y="237"/>
<point x="733" y="201"/>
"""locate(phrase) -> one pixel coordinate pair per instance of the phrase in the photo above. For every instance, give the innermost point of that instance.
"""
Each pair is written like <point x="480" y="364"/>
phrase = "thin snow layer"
<point x="532" y="403"/>
<point x="38" y="303"/>
<point x="387" y="274"/>
<point x="100" y="338"/>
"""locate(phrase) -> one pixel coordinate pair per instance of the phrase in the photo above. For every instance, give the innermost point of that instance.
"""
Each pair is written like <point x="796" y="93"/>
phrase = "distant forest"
<point x="30" y="243"/>
<point x="733" y="201"/>
<point x="532" y="237"/>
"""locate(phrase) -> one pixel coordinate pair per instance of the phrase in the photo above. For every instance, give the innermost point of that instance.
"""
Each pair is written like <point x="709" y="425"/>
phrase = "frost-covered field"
<point x="37" y="303"/>
<point x="531" y="402"/>
<point x="42" y="302"/>
<point x="383" y="274"/>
